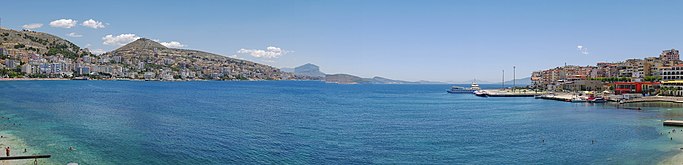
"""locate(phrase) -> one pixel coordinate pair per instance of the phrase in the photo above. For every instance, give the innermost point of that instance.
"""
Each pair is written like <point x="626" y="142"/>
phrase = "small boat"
<point x="80" y="78"/>
<point x="578" y="100"/>
<point x="457" y="89"/>
<point x="480" y="93"/>
<point x="597" y="100"/>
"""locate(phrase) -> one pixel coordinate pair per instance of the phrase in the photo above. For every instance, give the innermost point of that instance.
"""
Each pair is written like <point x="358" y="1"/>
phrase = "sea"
<point x="311" y="122"/>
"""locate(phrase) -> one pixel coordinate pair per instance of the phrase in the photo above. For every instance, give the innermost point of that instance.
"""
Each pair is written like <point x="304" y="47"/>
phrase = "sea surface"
<point x="308" y="122"/>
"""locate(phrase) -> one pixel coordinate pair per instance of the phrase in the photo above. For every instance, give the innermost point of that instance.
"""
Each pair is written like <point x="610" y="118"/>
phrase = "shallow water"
<point x="295" y="122"/>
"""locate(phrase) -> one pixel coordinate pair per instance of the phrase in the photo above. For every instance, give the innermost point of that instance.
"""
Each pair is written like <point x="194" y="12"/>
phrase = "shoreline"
<point x="33" y="79"/>
<point x="17" y="145"/>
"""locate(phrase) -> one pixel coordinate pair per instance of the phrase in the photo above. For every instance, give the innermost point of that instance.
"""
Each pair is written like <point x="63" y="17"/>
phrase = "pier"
<point x="558" y="97"/>
<point x="34" y="157"/>
<point x="25" y="157"/>
<point x="673" y="123"/>
<point x="655" y="99"/>
<point x="507" y="93"/>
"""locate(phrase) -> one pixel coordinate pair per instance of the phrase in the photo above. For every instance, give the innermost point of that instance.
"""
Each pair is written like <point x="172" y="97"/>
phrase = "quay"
<point x="673" y="123"/>
<point x="655" y="99"/>
<point x="509" y="93"/>
<point x="25" y="157"/>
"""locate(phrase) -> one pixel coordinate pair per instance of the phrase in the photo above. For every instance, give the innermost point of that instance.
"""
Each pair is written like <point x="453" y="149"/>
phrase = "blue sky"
<point x="408" y="40"/>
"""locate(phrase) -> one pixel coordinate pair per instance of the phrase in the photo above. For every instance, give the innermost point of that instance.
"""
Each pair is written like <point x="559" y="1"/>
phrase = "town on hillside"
<point x="651" y="76"/>
<point x="28" y="55"/>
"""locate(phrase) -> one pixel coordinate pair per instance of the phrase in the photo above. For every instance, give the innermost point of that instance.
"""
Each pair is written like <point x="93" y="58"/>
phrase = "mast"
<point x="503" y="81"/>
<point x="513" y="78"/>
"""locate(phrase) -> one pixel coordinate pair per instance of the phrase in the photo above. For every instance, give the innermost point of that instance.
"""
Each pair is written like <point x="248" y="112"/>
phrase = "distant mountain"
<point x="351" y="79"/>
<point x="470" y="82"/>
<point x="430" y="82"/>
<point x="312" y="71"/>
<point x="309" y="69"/>
<point x="521" y="81"/>
<point x="345" y="79"/>
<point x="382" y="80"/>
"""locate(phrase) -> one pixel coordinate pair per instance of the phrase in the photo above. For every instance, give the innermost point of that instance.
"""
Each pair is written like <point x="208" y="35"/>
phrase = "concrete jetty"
<point x="655" y="99"/>
<point x="558" y="97"/>
<point x="673" y="123"/>
<point x="510" y="93"/>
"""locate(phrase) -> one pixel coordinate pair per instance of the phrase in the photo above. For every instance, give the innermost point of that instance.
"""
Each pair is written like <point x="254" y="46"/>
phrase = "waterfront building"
<point x="672" y="73"/>
<point x="584" y="85"/>
<point x="635" y="87"/>
<point x="672" y="80"/>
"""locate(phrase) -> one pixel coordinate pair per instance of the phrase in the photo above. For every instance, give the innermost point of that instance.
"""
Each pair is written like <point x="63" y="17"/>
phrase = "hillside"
<point x="520" y="81"/>
<point x="31" y="42"/>
<point x="145" y="55"/>
<point x="351" y="79"/>
<point x="345" y="79"/>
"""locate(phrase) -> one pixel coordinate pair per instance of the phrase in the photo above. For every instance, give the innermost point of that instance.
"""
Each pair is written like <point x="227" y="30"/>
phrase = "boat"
<point x="480" y="93"/>
<point x="592" y="99"/>
<point x="598" y="100"/>
<point x="457" y="89"/>
<point x="578" y="100"/>
<point x="80" y="78"/>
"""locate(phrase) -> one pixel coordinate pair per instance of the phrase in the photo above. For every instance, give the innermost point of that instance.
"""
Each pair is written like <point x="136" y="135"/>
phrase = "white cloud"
<point x="119" y="40"/>
<point x="582" y="50"/>
<point x="93" y="24"/>
<point x="74" y="34"/>
<point x="32" y="26"/>
<point x="63" y="23"/>
<point x="269" y="53"/>
<point x="97" y="51"/>
<point x="172" y="44"/>
<point x="236" y="57"/>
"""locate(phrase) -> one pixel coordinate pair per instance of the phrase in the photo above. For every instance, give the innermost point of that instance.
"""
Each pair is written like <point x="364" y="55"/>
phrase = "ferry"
<point x="457" y="89"/>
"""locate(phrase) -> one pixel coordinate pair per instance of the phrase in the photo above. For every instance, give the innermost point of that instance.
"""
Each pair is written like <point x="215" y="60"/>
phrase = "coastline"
<point x="32" y="79"/>
<point x="17" y="145"/>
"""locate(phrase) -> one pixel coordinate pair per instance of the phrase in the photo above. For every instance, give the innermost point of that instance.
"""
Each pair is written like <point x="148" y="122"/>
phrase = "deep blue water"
<point x="293" y="122"/>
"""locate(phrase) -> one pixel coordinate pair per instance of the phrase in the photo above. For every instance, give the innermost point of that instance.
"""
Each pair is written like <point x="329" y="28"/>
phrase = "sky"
<point x="407" y="40"/>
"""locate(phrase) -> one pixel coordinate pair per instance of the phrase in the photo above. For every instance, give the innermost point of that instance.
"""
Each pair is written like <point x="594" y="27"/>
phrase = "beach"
<point x="17" y="146"/>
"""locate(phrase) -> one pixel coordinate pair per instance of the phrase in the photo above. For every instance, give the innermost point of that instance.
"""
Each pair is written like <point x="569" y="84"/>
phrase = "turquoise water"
<point x="292" y="122"/>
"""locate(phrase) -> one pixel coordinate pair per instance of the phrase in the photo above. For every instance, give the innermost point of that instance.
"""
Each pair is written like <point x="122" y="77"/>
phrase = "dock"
<point x="673" y="123"/>
<point x="559" y="97"/>
<point x="25" y="157"/>
<point x="655" y="99"/>
<point x="508" y="93"/>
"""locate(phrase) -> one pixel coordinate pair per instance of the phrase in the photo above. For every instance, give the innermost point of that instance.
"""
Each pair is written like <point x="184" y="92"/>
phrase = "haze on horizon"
<point x="407" y="40"/>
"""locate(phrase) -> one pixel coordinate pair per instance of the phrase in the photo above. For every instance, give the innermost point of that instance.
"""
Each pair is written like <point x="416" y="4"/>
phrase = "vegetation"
<point x="652" y="78"/>
<point x="19" y="46"/>
<point x="63" y="50"/>
<point x="36" y="39"/>
<point x="12" y="73"/>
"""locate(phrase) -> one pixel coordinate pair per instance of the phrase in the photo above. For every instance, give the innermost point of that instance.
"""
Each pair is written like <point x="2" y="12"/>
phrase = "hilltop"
<point x="145" y="55"/>
<point x="312" y="71"/>
<point x="27" y="42"/>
